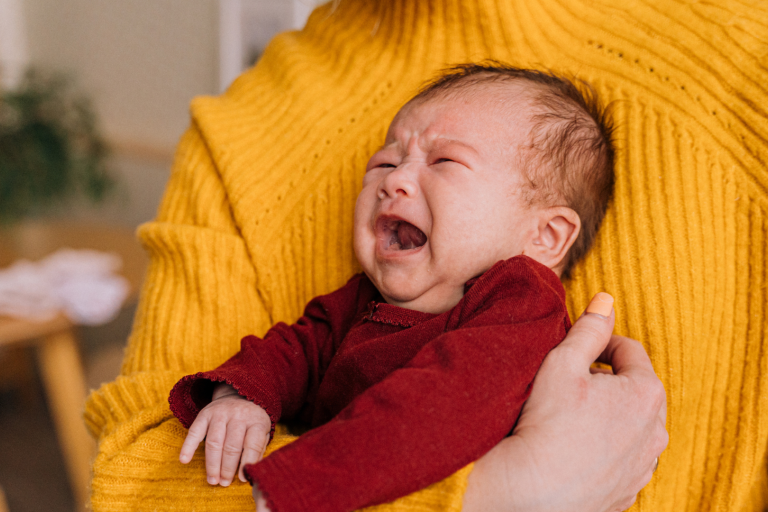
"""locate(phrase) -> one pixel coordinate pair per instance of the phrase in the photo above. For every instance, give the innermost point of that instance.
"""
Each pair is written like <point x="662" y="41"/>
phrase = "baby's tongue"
<point x="410" y="236"/>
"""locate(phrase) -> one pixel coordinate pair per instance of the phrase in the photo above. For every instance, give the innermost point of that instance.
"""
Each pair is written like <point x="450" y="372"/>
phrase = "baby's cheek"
<point x="363" y="246"/>
<point x="370" y="178"/>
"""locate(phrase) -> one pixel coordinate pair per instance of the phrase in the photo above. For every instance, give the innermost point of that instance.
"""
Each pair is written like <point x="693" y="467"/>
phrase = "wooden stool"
<point x="55" y="341"/>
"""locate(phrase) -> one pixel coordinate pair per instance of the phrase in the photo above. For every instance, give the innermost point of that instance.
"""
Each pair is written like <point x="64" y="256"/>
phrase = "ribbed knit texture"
<point x="257" y="219"/>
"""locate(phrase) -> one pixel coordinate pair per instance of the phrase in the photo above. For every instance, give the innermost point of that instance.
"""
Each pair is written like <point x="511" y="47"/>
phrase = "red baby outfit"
<point x="398" y="399"/>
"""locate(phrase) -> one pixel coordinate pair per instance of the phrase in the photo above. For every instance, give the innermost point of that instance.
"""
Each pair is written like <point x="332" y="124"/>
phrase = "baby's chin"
<point x="435" y="299"/>
<point x="395" y="292"/>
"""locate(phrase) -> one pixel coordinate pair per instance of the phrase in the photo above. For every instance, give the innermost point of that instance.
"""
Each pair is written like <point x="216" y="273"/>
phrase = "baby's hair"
<point x="568" y="158"/>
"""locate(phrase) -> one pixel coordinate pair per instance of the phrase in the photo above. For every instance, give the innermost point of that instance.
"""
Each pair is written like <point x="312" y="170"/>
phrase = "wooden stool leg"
<point x="3" y="503"/>
<point x="64" y="380"/>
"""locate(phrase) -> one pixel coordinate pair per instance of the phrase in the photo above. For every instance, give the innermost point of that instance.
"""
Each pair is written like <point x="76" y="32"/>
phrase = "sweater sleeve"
<point x="198" y="299"/>
<point x="281" y="372"/>
<point x="451" y="404"/>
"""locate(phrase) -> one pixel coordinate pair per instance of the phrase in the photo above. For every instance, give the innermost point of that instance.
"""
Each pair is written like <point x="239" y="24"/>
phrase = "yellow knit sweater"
<point x="257" y="219"/>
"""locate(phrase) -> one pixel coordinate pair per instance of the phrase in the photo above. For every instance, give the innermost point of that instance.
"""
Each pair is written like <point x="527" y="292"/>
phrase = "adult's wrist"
<point x="501" y="481"/>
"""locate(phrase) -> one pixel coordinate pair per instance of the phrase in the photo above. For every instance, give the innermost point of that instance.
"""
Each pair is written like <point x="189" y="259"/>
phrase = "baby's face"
<point x="441" y="200"/>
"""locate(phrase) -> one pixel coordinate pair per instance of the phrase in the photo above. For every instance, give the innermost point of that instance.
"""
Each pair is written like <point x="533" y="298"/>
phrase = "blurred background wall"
<point x="140" y="62"/>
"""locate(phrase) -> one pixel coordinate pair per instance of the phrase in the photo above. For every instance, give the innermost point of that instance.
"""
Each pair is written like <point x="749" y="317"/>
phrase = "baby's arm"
<point x="456" y="399"/>
<point x="236" y="431"/>
<point x="416" y="427"/>
<point x="274" y="375"/>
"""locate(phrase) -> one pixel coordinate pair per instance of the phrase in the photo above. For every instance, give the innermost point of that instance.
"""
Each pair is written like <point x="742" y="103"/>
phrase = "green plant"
<point x="50" y="148"/>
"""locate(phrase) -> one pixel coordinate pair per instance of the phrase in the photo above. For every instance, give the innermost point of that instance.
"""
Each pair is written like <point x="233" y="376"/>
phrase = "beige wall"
<point x="141" y="60"/>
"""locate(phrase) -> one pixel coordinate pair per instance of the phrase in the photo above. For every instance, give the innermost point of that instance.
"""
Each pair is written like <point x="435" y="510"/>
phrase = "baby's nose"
<point x="399" y="182"/>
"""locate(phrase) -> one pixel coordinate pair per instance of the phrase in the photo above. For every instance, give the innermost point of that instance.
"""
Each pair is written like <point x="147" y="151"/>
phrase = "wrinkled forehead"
<point x="495" y="115"/>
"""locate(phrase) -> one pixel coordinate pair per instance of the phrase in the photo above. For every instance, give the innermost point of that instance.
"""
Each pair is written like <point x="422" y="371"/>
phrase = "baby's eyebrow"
<point x="387" y="145"/>
<point x="438" y="143"/>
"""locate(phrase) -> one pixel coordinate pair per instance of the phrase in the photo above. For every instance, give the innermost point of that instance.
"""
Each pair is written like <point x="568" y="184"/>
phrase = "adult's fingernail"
<point x="602" y="304"/>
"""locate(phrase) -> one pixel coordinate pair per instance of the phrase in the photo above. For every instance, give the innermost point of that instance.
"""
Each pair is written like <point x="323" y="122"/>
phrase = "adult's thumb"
<point x="591" y="333"/>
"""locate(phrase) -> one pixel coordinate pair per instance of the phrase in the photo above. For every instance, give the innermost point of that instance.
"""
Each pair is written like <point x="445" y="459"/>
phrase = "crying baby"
<point x="491" y="184"/>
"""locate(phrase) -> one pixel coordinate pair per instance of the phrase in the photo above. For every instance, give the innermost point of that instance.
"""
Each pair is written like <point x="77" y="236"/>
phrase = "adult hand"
<point x="586" y="440"/>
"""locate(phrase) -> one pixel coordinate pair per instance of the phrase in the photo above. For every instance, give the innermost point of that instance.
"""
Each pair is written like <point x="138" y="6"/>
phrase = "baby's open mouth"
<point x="400" y="235"/>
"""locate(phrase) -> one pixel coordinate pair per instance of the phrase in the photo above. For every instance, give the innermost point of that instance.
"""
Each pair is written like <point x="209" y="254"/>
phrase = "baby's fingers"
<point x="231" y="452"/>
<point x="195" y="436"/>
<point x="214" y="442"/>
<point x="255" y="443"/>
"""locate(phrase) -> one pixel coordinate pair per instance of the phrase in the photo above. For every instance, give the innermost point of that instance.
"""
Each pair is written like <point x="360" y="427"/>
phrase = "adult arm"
<point x="586" y="441"/>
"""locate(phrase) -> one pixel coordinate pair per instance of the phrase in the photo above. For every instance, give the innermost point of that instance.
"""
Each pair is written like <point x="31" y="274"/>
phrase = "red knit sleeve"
<point x="452" y="403"/>
<point x="282" y="371"/>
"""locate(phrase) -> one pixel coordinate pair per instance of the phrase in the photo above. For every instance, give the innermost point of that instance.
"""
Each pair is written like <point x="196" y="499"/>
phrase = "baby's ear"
<point x="558" y="228"/>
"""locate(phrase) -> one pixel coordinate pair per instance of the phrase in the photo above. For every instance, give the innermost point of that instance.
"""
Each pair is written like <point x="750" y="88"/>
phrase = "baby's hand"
<point x="236" y="431"/>
<point x="258" y="498"/>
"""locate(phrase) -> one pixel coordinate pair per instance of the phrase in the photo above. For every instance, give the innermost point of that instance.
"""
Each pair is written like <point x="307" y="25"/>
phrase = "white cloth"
<point x="82" y="284"/>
